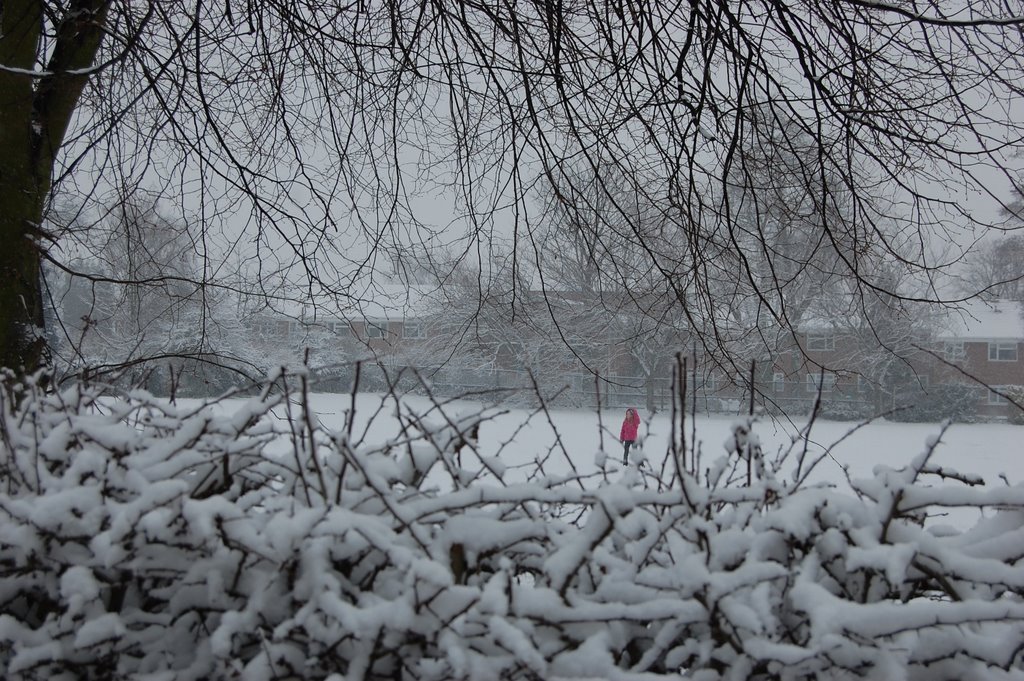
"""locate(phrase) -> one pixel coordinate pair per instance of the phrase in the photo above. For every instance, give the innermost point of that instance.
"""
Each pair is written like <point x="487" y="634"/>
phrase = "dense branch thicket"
<point x="243" y="539"/>
<point x="311" y="142"/>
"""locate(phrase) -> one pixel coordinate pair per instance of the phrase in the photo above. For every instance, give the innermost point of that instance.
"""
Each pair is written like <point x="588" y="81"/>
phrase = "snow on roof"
<point x="396" y="301"/>
<point x="372" y="302"/>
<point x="984" y="320"/>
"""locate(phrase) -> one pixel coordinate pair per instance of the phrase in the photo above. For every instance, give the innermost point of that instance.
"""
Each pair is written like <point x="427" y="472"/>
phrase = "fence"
<point x="584" y="390"/>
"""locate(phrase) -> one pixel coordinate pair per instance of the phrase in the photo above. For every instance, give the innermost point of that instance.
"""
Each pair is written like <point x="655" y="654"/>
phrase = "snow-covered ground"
<point x="987" y="449"/>
<point x="517" y="436"/>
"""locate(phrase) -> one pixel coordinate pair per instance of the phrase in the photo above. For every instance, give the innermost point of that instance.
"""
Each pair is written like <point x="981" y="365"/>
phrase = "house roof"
<point x="374" y="302"/>
<point x="984" y="320"/>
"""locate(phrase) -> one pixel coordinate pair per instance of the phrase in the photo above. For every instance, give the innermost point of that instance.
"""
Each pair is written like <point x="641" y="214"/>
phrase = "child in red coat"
<point x="627" y="435"/>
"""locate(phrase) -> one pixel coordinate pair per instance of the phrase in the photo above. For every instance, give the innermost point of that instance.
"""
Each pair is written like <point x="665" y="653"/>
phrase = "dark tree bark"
<point x="37" y="102"/>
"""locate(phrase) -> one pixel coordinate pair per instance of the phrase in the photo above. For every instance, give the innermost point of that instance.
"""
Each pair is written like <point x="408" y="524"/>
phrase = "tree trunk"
<point x="21" y="310"/>
<point x="35" y="110"/>
<point x="650" y="406"/>
<point x="22" y="344"/>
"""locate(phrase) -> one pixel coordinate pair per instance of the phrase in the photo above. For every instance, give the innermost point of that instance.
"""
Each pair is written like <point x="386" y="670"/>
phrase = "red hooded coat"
<point x="629" y="426"/>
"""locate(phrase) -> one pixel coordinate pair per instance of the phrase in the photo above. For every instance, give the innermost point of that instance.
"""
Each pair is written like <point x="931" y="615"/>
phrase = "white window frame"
<point x="374" y="330"/>
<point x="954" y="350"/>
<point x="814" y="380"/>
<point x="343" y="328"/>
<point x="995" y="399"/>
<point x="418" y="326"/>
<point x="821" y="342"/>
<point x="996" y="350"/>
<point x="779" y="381"/>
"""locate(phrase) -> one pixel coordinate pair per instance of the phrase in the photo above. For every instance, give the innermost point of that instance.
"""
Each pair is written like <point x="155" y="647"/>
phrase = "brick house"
<point x="981" y="345"/>
<point x="956" y="352"/>
<point x="858" y="373"/>
<point x="387" y="325"/>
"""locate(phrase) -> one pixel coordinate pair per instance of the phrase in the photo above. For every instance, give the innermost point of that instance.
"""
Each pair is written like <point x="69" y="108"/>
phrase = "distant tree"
<point x="485" y="328"/>
<point x="596" y="233"/>
<point x="594" y="270"/>
<point x="1014" y="211"/>
<point x="794" y="233"/>
<point x="996" y="269"/>
<point x="136" y="309"/>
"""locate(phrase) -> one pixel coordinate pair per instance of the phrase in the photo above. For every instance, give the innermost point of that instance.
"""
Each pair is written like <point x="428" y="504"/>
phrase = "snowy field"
<point x="518" y="436"/>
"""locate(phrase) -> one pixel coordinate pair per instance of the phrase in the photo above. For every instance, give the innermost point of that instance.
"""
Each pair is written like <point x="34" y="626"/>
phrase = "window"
<point x="374" y="330"/>
<point x="779" y="382"/>
<point x="821" y="343"/>
<point x="1002" y="352"/>
<point x="814" y="381"/>
<point x="954" y="350"/>
<point x="995" y="398"/>
<point x="340" y="328"/>
<point x="269" y="328"/>
<point x="412" y="330"/>
<point x="294" y="329"/>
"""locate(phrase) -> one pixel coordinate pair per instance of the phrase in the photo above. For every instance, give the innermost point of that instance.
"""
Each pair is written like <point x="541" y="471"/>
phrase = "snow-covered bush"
<point x="846" y="410"/>
<point x="947" y="402"/>
<point x="143" y="540"/>
<point x="1016" y="412"/>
